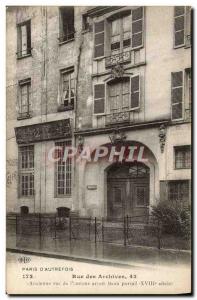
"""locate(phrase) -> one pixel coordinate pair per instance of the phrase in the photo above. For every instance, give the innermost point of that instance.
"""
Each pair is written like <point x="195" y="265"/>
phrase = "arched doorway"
<point x="128" y="190"/>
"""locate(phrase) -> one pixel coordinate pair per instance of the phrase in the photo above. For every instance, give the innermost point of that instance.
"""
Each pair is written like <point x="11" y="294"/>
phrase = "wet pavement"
<point x="84" y="249"/>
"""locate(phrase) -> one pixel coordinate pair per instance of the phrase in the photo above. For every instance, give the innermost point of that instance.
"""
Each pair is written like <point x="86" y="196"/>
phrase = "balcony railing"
<point x="119" y="117"/>
<point x="119" y="58"/>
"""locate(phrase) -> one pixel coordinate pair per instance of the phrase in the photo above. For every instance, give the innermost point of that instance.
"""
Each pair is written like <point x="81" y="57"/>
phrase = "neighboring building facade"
<point x="85" y="76"/>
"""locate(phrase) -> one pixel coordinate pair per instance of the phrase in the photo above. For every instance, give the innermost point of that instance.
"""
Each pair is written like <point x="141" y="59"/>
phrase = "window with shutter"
<point x="179" y="26"/>
<point x="99" y="36"/>
<point x="135" y="92"/>
<point x="177" y="95"/>
<point x="99" y="98"/>
<point x="137" y="27"/>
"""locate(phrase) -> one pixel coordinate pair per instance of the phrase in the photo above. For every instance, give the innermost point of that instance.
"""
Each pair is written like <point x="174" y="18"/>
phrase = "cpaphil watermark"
<point x="111" y="153"/>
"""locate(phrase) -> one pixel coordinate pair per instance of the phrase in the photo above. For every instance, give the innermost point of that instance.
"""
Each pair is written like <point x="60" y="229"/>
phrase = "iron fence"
<point x="130" y="230"/>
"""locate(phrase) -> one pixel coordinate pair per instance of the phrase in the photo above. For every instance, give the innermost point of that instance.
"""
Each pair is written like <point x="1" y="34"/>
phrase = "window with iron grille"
<point x="178" y="190"/>
<point x="67" y="31"/>
<point x="182" y="26"/>
<point x="24" y="39"/>
<point x="182" y="157"/>
<point x="24" y="100"/>
<point x="63" y="170"/>
<point x="67" y="89"/>
<point x="26" y="171"/>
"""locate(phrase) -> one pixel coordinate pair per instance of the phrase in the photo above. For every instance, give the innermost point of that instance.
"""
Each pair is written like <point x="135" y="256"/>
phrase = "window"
<point x="119" y="95"/>
<point x="122" y="94"/>
<point x="24" y="101"/>
<point x="182" y="157"/>
<point x="63" y="171"/>
<point x="177" y="95"/>
<point x="67" y="30"/>
<point x="24" y="39"/>
<point x="67" y="89"/>
<point x="26" y="170"/>
<point x="182" y="26"/>
<point x="178" y="190"/>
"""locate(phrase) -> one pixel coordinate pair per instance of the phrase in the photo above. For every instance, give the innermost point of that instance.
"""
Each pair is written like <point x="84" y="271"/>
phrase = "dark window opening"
<point x="63" y="212"/>
<point x="67" y="30"/>
<point x="24" y="210"/>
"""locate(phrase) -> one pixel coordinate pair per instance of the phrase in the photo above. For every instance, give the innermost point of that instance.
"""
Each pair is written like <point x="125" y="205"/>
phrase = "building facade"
<point x="90" y="77"/>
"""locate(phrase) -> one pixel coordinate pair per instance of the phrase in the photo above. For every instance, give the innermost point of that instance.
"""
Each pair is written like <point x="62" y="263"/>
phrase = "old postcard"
<point x="99" y="106"/>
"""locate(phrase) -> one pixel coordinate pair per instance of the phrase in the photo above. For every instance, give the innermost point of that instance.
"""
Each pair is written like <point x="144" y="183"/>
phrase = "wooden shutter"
<point x="137" y="27"/>
<point x="177" y="95"/>
<point x="135" y="92"/>
<point x="99" y="37"/>
<point x="179" y="26"/>
<point x="99" y="98"/>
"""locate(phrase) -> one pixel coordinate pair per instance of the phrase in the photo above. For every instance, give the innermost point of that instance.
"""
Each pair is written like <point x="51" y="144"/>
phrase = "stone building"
<point x="92" y="77"/>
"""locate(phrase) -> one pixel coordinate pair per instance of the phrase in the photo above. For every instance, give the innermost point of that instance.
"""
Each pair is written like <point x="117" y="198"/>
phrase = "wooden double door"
<point x="128" y="195"/>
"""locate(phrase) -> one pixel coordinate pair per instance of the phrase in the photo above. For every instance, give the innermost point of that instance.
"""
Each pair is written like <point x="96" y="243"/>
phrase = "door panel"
<point x="116" y="199"/>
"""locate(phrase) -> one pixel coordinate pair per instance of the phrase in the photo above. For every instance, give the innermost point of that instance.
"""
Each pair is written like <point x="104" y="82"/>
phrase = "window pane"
<point x="137" y="14"/>
<point x="135" y="100"/>
<point x="179" y="10"/>
<point x="99" y="27"/>
<point x="177" y="111"/>
<point x="99" y="51"/>
<point x="179" y="38"/>
<point x="177" y="95"/>
<point x="99" y="38"/>
<point x="99" y="91"/>
<point x="137" y="26"/>
<point x="99" y="106"/>
<point x="115" y="46"/>
<point x="137" y="40"/>
<point x="126" y="22"/>
<point x="134" y="84"/>
<point x="177" y="79"/>
<point x="179" y="23"/>
<point x="115" y="27"/>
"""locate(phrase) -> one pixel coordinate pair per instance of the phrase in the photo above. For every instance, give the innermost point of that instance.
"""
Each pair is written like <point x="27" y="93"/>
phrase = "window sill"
<point x="62" y="196"/>
<point x="25" y="117"/>
<point x="66" y="42"/>
<point x="23" y="56"/>
<point x="182" y="168"/>
<point x="65" y="108"/>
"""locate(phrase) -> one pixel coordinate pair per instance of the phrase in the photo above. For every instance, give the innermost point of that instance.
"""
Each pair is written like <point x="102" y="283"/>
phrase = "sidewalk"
<point x="84" y="250"/>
